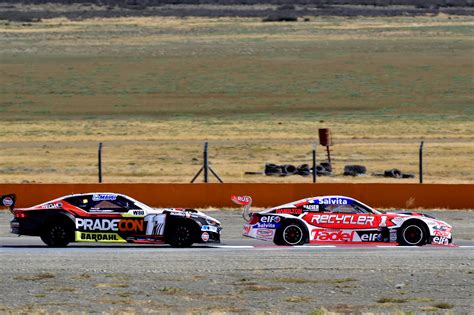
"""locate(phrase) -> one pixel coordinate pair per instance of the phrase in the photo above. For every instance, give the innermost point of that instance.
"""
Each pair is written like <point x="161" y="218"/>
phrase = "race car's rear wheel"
<point x="412" y="234"/>
<point x="182" y="234"/>
<point x="57" y="234"/>
<point x="290" y="234"/>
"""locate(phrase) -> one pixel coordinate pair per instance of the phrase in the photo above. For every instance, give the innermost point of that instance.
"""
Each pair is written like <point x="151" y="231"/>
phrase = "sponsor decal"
<point x="118" y="225"/>
<point x="336" y="236"/>
<point x="52" y="205"/>
<point x="186" y="214"/>
<point x="138" y="212"/>
<point x="241" y="200"/>
<point x="440" y="228"/>
<point x="155" y="224"/>
<point x="266" y="233"/>
<point x="347" y="219"/>
<point x="246" y="229"/>
<point x="290" y="211"/>
<point x="209" y="228"/>
<point x="101" y="197"/>
<point x="370" y="237"/>
<point x="393" y="235"/>
<point x="440" y="240"/>
<point x="98" y="237"/>
<point x="441" y="233"/>
<point x="7" y="201"/>
<point x="205" y="236"/>
<point x="270" y="219"/>
<point x="398" y="220"/>
<point x="311" y="207"/>
<point x="266" y="225"/>
<point x="333" y="201"/>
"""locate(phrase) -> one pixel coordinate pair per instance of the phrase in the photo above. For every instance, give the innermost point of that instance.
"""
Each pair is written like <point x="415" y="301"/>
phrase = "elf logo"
<point x="371" y="237"/>
<point x="270" y="219"/>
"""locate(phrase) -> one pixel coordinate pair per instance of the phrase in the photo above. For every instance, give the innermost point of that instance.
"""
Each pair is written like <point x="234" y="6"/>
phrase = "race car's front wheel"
<point x="290" y="234"/>
<point x="57" y="234"/>
<point x="412" y="234"/>
<point x="182" y="234"/>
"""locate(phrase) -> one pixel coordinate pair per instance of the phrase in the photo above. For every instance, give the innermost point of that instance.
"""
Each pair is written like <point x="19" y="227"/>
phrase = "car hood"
<point x="193" y="211"/>
<point x="412" y="213"/>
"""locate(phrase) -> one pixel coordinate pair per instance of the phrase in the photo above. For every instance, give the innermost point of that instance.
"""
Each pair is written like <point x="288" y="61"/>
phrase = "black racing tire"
<point x="303" y="170"/>
<point x="182" y="234"/>
<point x="288" y="169"/>
<point x="327" y="166"/>
<point x="354" y="170"/>
<point x="272" y="169"/>
<point x="394" y="173"/>
<point x="57" y="234"/>
<point x="290" y="234"/>
<point x="412" y="234"/>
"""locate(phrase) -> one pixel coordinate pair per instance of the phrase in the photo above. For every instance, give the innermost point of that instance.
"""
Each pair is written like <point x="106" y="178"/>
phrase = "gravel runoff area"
<point x="88" y="279"/>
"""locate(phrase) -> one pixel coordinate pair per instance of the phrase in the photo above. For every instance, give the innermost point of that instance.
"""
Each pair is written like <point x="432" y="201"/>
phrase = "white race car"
<point x="340" y="220"/>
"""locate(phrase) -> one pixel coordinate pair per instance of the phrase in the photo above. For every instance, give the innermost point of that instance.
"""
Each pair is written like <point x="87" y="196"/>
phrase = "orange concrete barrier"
<point x="451" y="196"/>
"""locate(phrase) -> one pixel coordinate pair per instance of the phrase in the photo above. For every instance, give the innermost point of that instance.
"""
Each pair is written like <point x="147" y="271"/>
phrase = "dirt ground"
<point x="154" y="89"/>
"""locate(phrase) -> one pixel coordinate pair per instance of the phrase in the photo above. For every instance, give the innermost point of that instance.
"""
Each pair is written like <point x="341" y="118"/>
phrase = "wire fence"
<point x="239" y="161"/>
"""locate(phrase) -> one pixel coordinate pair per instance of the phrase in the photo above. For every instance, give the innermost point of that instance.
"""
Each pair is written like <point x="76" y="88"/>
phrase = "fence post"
<point x="314" y="164"/>
<point x="206" y="163"/>
<point x="421" y="162"/>
<point x="100" y="162"/>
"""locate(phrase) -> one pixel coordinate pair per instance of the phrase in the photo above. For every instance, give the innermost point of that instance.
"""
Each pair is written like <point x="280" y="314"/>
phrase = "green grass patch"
<point x="37" y="277"/>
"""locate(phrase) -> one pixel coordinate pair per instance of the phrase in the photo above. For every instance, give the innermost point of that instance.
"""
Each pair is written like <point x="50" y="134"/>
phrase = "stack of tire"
<point x="323" y="169"/>
<point x="354" y="170"/>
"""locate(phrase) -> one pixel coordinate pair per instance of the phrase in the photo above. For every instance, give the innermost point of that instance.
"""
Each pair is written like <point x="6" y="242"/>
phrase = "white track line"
<point x="315" y="246"/>
<point x="232" y="246"/>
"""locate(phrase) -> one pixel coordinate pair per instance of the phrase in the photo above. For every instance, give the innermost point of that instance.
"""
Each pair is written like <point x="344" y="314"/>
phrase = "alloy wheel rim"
<point x="292" y="234"/>
<point x="413" y="235"/>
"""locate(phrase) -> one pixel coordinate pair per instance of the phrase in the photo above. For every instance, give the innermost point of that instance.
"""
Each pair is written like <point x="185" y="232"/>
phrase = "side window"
<point x="83" y="202"/>
<point x="107" y="206"/>
<point x="119" y="204"/>
<point x="340" y="209"/>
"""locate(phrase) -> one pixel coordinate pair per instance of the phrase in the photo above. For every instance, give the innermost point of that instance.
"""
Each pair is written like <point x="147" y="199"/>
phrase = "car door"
<point x="342" y="220"/>
<point x="110" y="217"/>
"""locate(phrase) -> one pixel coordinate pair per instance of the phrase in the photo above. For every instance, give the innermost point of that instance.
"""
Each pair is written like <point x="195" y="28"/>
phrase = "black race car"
<point x="111" y="218"/>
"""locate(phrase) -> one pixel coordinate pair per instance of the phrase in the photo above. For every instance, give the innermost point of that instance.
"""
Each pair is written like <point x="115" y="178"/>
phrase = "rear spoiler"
<point x="8" y="201"/>
<point x="246" y="202"/>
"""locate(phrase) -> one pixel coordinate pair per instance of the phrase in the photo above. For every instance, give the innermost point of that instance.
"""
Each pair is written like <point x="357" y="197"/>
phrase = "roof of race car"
<point x="96" y="196"/>
<point x="324" y="200"/>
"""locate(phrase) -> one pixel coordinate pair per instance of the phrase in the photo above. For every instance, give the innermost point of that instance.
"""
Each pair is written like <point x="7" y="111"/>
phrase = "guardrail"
<point x="405" y="196"/>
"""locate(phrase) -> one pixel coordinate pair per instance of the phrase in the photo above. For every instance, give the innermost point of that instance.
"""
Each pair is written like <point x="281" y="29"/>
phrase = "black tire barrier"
<point x="394" y="173"/>
<point x="354" y="170"/>
<point x="303" y="170"/>
<point x="280" y="19"/>
<point x="288" y="169"/>
<point x="321" y="171"/>
<point x="272" y="169"/>
<point x="327" y="166"/>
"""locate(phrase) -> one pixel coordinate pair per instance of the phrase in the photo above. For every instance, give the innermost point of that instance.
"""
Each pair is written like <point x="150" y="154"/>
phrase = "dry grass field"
<point x="153" y="89"/>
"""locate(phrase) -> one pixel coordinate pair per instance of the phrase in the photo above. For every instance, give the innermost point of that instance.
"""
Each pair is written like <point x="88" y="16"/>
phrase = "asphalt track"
<point x="238" y="275"/>
<point x="31" y="244"/>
